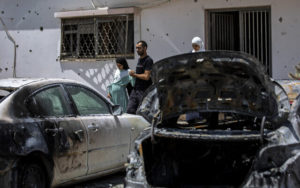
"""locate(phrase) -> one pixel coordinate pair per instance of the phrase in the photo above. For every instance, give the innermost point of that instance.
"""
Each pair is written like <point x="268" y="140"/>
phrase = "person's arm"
<point x="144" y="76"/>
<point x="147" y="73"/>
<point x="109" y="91"/>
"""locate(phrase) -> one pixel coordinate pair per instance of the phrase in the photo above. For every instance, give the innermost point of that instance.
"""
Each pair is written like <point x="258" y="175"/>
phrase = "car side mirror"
<point x="117" y="110"/>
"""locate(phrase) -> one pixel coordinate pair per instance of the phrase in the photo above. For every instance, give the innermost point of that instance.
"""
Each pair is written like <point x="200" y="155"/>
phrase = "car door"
<point x="65" y="134"/>
<point x="108" y="139"/>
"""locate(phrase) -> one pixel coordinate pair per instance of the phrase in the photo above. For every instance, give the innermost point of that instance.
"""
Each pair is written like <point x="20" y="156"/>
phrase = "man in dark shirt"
<point x="142" y="76"/>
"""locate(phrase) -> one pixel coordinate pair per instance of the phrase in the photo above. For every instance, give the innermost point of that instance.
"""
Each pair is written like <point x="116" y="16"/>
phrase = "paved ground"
<point x="112" y="181"/>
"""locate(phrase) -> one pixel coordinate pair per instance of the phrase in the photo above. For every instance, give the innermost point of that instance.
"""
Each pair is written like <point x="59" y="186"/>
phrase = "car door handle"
<point x="79" y="134"/>
<point x="93" y="127"/>
<point x="54" y="131"/>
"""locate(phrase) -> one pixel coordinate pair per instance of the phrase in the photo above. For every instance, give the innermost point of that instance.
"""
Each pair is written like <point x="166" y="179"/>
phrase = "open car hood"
<point x="210" y="81"/>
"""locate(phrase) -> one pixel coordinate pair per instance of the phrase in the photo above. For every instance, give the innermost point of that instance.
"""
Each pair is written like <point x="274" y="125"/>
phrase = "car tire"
<point x="31" y="175"/>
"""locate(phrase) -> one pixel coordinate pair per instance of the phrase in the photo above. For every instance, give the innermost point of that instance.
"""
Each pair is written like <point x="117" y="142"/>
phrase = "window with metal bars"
<point x="101" y="37"/>
<point x="247" y="30"/>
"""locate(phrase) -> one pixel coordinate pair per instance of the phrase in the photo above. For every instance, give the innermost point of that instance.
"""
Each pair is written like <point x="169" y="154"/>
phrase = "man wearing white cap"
<point x="197" y="44"/>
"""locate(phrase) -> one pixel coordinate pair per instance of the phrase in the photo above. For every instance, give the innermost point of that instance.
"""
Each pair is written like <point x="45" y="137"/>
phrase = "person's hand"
<point x="108" y="96"/>
<point x="131" y="73"/>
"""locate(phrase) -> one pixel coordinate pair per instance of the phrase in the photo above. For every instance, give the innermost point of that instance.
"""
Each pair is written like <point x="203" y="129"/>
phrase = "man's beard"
<point x="141" y="53"/>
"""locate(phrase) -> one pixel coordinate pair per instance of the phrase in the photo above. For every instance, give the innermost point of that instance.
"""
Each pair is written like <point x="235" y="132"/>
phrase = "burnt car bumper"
<point x="131" y="183"/>
<point x="275" y="165"/>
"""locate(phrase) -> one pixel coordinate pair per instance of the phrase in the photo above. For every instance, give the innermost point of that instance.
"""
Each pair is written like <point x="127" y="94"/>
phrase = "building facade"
<point x="79" y="39"/>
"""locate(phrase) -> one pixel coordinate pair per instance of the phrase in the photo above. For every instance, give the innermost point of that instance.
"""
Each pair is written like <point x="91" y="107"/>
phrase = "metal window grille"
<point x="97" y="37"/>
<point x="223" y="31"/>
<point x="246" y="30"/>
<point x="256" y="35"/>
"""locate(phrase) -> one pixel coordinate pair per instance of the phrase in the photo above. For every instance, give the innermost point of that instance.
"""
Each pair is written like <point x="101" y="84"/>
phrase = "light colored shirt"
<point x="119" y="74"/>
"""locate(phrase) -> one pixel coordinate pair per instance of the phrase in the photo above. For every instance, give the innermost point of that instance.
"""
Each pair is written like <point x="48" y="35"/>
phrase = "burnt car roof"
<point x="214" y="81"/>
<point x="15" y="83"/>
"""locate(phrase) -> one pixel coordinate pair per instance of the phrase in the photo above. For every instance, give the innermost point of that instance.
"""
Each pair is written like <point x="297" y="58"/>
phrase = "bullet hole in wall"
<point x="30" y="50"/>
<point x="17" y="5"/>
<point x="23" y="18"/>
<point x="280" y="19"/>
<point x="29" y="11"/>
<point x="147" y="29"/>
<point x="17" y="46"/>
<point x="167" y="34"/>
<point x="195" y="1"/>
<point x="11" y="19"/>
<point x="36" y="13"/>
<point x="6" y="69"/>
<point x="49" y="8"/>
<point x="2" y="12"/>
<point x="41" y="28"/>
<point x="78" y="73"/>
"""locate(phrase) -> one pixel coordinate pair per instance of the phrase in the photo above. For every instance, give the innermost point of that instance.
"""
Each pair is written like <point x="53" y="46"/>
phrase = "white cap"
<point x="199" y="42"/>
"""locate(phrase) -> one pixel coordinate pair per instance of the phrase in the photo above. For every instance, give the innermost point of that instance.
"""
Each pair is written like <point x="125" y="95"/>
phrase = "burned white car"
<point x="57" y="131"/>
<point x="245" y="133"/>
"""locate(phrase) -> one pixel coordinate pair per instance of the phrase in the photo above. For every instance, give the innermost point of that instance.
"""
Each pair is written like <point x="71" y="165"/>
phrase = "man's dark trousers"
<point x="134" y="100"/>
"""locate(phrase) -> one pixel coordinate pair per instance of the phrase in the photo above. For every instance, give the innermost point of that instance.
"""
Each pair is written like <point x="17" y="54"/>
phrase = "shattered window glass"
<point x="97" y="37"/>
<point x="49" y="102"/>
<point x="87" y="102"/>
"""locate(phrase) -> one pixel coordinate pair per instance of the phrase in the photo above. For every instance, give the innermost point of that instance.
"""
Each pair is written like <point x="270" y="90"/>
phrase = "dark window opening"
<point x="246" y="30"/>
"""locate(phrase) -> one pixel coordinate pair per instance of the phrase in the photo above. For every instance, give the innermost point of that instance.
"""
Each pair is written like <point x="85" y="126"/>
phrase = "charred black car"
<point x="245" y="133"/>
<point x="58" y="131"/>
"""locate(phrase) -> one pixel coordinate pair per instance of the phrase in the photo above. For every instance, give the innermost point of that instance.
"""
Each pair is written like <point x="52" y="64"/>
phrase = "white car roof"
<point x="15" y="83"/>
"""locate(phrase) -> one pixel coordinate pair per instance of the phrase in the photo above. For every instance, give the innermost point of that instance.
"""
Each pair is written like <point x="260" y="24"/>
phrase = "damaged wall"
<point x="38" y="33"/>
<point x="172" y="26"/>
<point x="167" y="25"/>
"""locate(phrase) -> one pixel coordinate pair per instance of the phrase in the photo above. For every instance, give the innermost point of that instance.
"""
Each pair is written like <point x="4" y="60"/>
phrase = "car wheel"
<point x="31" y="175"/>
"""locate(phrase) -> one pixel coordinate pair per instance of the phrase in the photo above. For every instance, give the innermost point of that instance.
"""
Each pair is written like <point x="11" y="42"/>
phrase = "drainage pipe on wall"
<point x="15" y="46"/>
